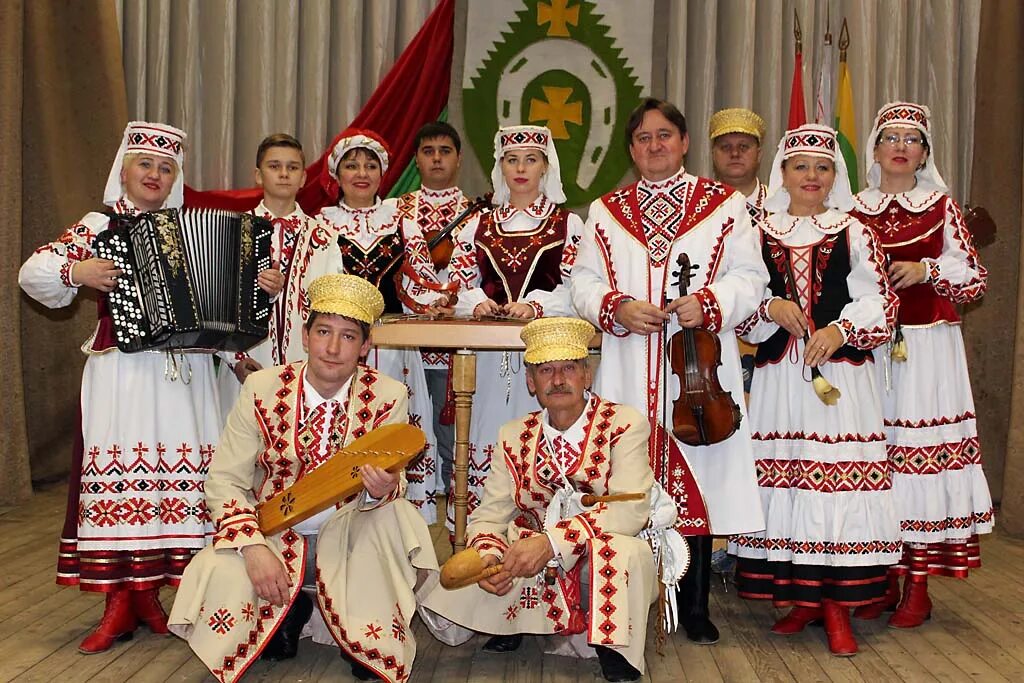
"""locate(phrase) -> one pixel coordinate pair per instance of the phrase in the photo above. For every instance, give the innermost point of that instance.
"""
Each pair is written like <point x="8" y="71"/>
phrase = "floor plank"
<point x="976" y="633"/>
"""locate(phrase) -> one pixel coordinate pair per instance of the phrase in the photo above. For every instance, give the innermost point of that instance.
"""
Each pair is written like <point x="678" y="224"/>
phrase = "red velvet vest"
<point x="907" y="236"/>
<point x="514" y="263"/>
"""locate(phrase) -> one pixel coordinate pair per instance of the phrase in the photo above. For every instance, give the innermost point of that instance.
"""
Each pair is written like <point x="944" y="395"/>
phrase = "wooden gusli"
<point x="390" y="448"/>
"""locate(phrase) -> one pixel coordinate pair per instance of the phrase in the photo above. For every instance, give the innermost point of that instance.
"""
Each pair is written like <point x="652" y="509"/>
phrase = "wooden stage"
<point x="977" y="632"/>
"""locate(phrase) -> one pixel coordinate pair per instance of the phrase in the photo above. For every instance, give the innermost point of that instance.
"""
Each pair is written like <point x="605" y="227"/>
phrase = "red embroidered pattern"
<point x="935" y="422"/>
<point x="818" y="547"/>
<point x="823" y="477"/>
<point x="712" y="311"/>
<point x="935" y="459"/>
<point x="950" y="523"/>
<point x="975" y="287"/>
<point x="820" y="438"/>
<point x="370" y="657"/>
<point x="603" y="581"/>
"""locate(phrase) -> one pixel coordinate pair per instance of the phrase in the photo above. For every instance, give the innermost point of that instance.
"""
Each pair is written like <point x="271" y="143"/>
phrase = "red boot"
<point x="147" y="607"/>
<point x="837" y="626"/>
<point x="118" y="623"/>
<point x="796" y="620"/>
<point x="916" y="607"/>
<point x="886" y="604"/>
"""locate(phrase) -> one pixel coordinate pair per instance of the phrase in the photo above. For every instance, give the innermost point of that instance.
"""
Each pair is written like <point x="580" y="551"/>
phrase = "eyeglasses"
<point x="909" y="140"/>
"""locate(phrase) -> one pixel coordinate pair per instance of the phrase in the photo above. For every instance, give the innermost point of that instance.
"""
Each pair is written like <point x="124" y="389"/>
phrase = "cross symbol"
<point x="557" y="111"/>
<point x="557" y="15"/>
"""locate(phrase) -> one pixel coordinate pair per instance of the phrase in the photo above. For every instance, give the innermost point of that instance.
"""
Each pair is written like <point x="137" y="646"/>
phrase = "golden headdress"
<point x="347" y="295"/>
<point x="550" y="339"/>
<point x="736" y="121"/>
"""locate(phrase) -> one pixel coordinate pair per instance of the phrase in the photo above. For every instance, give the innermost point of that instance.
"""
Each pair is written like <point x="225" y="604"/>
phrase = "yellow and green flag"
<point x="845" y="123"/>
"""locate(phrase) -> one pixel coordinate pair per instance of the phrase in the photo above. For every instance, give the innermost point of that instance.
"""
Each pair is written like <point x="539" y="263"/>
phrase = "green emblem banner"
<point x="576" y="67"/>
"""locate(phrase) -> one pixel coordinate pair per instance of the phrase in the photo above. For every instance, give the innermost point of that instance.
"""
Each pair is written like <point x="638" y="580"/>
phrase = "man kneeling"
<point x="242" y="596"/>
<point x="600" y="579"/>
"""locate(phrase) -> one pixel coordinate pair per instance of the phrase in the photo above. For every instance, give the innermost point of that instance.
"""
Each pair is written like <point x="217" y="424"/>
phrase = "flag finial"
<point x="797" y="33"/>
<point x="844" y="41"/>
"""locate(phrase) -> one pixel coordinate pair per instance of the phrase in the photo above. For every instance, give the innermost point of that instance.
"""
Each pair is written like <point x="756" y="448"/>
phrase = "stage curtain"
<point x="61" y="117"/>
<point x="740" y="53"/>
<point x="230" y="72"/>
<point x="992" y="330"/>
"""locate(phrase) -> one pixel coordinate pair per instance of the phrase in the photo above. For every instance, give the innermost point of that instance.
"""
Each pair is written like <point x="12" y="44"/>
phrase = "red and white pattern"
<point x="624" y="255"/>
<point x="823" y="473"/>
<point x="938" y="480"/>
<point x="140" y="511"/>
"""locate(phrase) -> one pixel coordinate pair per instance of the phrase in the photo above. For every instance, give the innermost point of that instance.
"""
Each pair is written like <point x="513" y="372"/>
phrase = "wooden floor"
<point x="977" y="632"/>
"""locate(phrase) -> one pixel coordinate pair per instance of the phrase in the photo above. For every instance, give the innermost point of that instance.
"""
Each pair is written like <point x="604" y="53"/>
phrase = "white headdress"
<point x="142" y="137"/>
<point x="814" y="140"/>
<point x="527" y="137"/>
<point x="905" y="115"/>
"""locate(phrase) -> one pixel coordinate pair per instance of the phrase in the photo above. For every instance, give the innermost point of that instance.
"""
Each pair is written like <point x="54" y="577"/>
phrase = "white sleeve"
<point x="593" y="294"/>
<point x="736" y="294"/>
<point x="46" y="275"/>
<point x="957" y="274"/>
<point x="870" y="317"/>
<point x="464" y="269"/>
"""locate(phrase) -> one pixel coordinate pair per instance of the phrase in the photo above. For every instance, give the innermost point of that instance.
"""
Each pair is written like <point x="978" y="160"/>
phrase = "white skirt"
<point x="822" y="470"/>
<point x="406" y="366"/>
<point x="148" y="444"/>
<point x="939" y="486"/>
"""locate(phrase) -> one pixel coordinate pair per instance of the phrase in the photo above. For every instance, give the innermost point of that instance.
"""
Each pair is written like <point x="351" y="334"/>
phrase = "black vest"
<point x="830" y="265"/>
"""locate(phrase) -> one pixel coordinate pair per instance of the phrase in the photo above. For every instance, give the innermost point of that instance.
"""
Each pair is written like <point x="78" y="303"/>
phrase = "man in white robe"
<point x="242" y="597"/>
<point x="601" y="579"/>
<point x="625" y="281"/>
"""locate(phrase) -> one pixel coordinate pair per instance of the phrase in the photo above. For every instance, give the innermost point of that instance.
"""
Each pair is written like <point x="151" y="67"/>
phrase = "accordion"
<point x="189" y="279"/>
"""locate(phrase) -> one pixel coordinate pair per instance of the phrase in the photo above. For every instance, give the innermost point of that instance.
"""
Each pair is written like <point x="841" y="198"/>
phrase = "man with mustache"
<point x="529" y="519"/>
<point x="625" y="280"/>
<point x="433" y="207"/>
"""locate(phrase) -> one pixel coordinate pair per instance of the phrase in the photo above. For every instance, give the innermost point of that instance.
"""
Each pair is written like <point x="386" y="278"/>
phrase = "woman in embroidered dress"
<point x="513" y="261"/>
<point x="361" y="235"/>
<point x="941" y="493"/>
<point x="832" y="529"/>
<point x="136" y="511"/>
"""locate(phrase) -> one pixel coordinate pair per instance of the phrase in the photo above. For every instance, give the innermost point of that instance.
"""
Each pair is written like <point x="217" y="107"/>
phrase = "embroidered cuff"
<point x="238" y="531"/>
<point x="931" y="270"/>
<point x="712" y="311"/>
<point x="65" y="274"/>
<point x="606" y="316"/>
<point x="845" y="328"/>
<point x="538" y="310"/>
<point x="489" y="544"/>
<point x="571" y="535"/>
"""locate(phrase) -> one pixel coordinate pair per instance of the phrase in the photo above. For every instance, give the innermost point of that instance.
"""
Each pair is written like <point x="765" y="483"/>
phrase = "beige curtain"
<point x="740" y="53"/>
<point x="233" y="71"/>
<point x="60" y="118"/>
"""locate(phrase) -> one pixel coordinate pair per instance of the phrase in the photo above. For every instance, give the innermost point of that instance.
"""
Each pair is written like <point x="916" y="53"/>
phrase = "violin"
<point x="441" y="244"/>
<point x="704" y="413"/>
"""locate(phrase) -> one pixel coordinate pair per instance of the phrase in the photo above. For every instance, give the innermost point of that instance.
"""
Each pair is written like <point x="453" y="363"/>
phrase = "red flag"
<point x="414" y="92"/>
<point x="797" y="114"/>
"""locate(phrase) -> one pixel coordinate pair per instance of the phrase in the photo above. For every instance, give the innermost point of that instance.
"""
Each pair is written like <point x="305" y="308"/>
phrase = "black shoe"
<point x="285" y="643"/>
<point x="359" y="672"/>
<point x="701" y="631"/>
<point x="502" y="644"/>
<point x="614" y="666"/>
<point x="693" y="591"/>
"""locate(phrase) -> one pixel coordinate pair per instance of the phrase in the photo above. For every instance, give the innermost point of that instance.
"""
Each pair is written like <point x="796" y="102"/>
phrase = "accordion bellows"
<point x="189" y="279"/>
